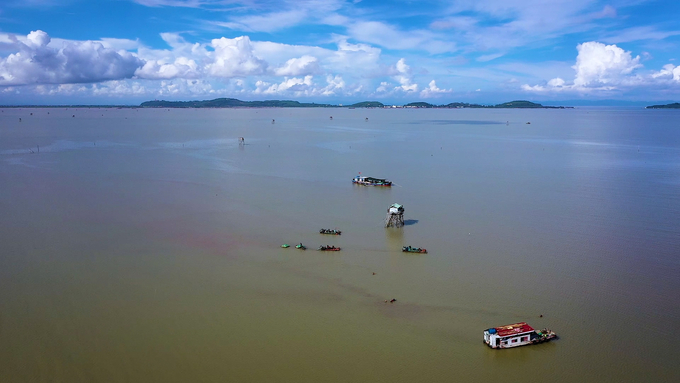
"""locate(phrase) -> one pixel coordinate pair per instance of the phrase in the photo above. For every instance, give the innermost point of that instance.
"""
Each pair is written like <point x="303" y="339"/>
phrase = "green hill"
<point x="462" y="105"/>
<point x="419" y="105"/>
<point x="231" y="103"/>
<point x="674" y="105"/>
<point x="519" y="104"/>
<point x="367" y="104"/>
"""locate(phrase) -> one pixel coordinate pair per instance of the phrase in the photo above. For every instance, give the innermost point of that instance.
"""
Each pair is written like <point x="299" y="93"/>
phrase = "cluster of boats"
<point x="514" y="335"/>
<point x="322" y="247"/>
<point x="298" y="246"/>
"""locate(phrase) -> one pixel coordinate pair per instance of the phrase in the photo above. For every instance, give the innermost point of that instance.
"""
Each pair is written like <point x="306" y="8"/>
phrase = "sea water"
<point x="144" y="244"/>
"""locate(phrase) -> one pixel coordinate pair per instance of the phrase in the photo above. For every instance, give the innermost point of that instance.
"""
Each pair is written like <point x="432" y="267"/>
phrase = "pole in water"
<point x="38" y="148"/>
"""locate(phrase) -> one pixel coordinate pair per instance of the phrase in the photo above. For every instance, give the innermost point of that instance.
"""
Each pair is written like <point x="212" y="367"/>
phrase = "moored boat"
<point x="301" y="246"/>
<point x="515" y="335"/>
<point x="330" y="231"/>
<point x="371" y="181"/>
<point x="328" y="248"/>
<point x="409" y="249"/>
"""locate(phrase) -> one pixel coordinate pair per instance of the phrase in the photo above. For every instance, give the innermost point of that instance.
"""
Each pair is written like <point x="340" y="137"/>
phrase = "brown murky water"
<point x="144" y="245"/>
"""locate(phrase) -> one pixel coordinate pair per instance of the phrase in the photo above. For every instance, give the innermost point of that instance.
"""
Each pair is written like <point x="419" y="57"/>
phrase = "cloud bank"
<point x="39" y="62"/>
<point x="601" y="67"/>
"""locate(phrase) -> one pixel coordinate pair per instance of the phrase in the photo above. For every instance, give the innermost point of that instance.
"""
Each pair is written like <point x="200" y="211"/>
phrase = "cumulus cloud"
<point x="608" y="68"/>
<point x="235" y="58"/>
<point x="383" y="87"/>
<point x="335" y="84"/>
<point x="41" y="60"/>
<point x="599" y="64"/>
<point x="433" y="90"/>
<point x="38" y="62"/>
<point x="293" y="85"/>
<point x="669" y="72"/>
<point x="404" y="77"/>
<point x="598" y="67"/>
<point x="299" y="66"/>
<point x="182" y="67"/>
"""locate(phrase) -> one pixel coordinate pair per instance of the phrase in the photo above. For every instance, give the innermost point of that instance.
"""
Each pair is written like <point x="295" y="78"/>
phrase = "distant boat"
<point x="515" y="335"/>
<point x="330" y="231"/>
<point x="371" y="181"/>
<point x="328" y="248"/>
<point x="409" y="249"/>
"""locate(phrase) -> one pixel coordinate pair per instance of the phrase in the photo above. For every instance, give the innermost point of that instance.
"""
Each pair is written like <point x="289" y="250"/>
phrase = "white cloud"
<point x="433" y="90"/>
<point x="182" y="67"/>
<point x="639" y="33"/>
<point x="601" y="67"/>
<point x="335" y="84"/>
<point x="599" y="64"/>
<point x="38" y="62"/>
<point x="270" y="22"/>
<point x="391" y="37"/>
<point x="118" y="89"/>
<point x="294" y="85"/>
<point x="403" y="75"/>
<point x="383" y="87"/>
<point x="299" y="66"/>
<point x="485" y="58"/>
<point x="119" y="44"/>
<point x="669" y="71"/>
<point x="235" y="58"/>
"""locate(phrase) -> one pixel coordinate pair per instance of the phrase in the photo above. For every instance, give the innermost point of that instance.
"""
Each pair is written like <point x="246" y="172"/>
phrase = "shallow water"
<point x="144" y="245"/>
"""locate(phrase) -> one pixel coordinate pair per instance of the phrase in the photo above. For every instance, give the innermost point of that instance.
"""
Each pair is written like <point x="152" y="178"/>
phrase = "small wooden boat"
<point x="285" y="245"/>
<point x="330" y="231"/>
<point x="515" y="335"/>
<point x="328" y="248"/>
<point x="301" y="246"/>
<point x="409" y="249"/>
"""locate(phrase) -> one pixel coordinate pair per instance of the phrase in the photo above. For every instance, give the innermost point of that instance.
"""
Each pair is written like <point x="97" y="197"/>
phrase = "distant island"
<point x="234" y="103"/>
<point x="675" y="105"/>
<point x="231" y="103"/>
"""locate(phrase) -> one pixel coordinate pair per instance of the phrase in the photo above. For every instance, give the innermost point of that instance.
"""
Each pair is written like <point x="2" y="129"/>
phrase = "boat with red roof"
<point x="515" y="335"/>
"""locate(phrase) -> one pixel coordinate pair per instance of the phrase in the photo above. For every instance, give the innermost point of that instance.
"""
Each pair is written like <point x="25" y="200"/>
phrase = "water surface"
<point x="144" y="245"/>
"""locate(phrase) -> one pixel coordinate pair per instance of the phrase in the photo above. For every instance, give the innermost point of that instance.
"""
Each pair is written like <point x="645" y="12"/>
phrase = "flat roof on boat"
<point x="513" y="329"/>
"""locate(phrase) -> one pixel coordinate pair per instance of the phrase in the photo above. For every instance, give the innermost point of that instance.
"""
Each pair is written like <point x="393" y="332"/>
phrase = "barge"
<point x="515" y="335"/>
<point x="371" y="181"/>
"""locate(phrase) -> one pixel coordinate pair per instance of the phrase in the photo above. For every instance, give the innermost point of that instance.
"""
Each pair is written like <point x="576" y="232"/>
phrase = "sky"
<point x="335" y="51"/>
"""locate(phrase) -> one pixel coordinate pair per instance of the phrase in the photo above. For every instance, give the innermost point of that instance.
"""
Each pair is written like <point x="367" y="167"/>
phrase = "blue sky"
<point x="334" y="51"/>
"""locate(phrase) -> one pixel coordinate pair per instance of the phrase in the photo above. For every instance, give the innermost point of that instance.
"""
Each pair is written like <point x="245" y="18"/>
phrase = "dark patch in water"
<point x="458" y="122"/>
<point x="408" y="222"/>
